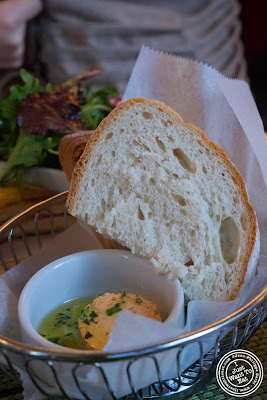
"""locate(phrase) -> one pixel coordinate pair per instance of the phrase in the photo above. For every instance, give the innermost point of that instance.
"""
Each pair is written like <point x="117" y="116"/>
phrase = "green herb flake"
<point x="138" y="300"/>
<point x="54" y="339"/>
<point x="93" y="315"/>
<point x="88" y="335"/>
<point x="123" y="294"/>
<point x="113" y="310"/>
<point x="85" y="319"/>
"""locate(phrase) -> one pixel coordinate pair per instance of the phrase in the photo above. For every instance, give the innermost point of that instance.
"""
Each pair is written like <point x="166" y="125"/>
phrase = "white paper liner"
<point x="225" y="110"/>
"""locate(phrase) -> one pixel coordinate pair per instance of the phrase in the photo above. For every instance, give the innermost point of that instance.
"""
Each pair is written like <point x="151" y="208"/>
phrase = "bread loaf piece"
<point x="70" y="150"/>
<point x="159" y="187"/>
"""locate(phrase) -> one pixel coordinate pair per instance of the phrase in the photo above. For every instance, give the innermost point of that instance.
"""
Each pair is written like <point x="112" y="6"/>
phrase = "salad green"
<point x="21" y="150"/>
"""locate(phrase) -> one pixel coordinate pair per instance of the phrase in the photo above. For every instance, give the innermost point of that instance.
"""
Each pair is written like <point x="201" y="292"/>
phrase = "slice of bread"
<point x="159" y="187"/>
<point x="70" y="150"/>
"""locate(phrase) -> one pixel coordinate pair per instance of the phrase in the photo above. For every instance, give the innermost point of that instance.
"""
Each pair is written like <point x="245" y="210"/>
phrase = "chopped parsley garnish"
<point x="54" y="339"/>
<point x="138" y="300"/>
<point x="123" y="294"/>
<point x="113" y="310"/>
<point x="60" y="320"/>
<point x="84" y="317"/>
<point x="88" y="335"/>
<point x="93" y="315"/>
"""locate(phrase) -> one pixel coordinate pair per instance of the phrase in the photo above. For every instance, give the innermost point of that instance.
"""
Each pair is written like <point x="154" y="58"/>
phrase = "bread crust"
<point x="70" y="149"/>
<point x="252" y="251"/>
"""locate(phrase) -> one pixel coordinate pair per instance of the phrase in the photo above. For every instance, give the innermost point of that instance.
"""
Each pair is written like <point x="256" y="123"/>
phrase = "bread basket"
<point x="240" y="326"/>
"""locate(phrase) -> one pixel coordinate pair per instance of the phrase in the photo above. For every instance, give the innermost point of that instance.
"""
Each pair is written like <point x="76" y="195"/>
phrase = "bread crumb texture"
<point x="159" y="187"/>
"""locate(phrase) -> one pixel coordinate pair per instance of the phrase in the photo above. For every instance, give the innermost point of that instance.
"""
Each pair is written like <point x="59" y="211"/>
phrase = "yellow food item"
<point x="12" y="201"/>
<point x="97" y="318"/>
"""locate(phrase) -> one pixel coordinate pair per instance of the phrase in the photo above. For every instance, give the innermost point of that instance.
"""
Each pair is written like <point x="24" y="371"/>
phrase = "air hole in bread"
<point x="160" y="109"/>
<point x="152" y="181"/>
<point x="133" y="157"/>
<point x="136" y="143"/>
<point x="113" y="223"/>
<point x="171" y="139"/>
<point x="140" y="214"/>
<point x="143" y="178"/>
<point x="109" y="135"/>
<point x="147" y="115"/>
<point x="161" y="144"/>
<point x="185" y="162"/>
<point x="189" y="262"/>
<point x="207" y="259"/>
<point x="229" y="239"/>
<point x="244" y="221"/>
<point x="120" y="190"/>
<point x="193" y="233"/>
<point x="179" y="199"/>
<point x="167" y="224"/>
<point x="222" y="174"/>
<point x="201" y="152"/>
<point x="167" y="171"/>
<point x="175" y="176"/>
<point x="113" y="153"/>
<point x="92" y="182"/>
<point x="135" y="132"/>
<point x="146" y="148"/>
<point x="204" y="169"/>
<point x="236" y="200"/>
<point x="121" y="130"/>
<point x="169" y="122"/>
<point x="99" y="160"/>
<point x="103" y="204"/>
<point x="183" y="212"/>
<point x="218" y="218"/>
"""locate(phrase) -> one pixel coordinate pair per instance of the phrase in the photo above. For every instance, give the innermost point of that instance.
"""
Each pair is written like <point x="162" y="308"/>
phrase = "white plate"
<point x="50" y="178"/>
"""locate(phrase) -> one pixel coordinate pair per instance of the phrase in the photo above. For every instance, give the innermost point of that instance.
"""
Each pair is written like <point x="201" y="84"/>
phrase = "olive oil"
<point x="60" y="326"/>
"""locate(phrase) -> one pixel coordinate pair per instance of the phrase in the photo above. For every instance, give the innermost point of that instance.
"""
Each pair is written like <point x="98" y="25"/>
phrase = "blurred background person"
<point x="14" y="16"/>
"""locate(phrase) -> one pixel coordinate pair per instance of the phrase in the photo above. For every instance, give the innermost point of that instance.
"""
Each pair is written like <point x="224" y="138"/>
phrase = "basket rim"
<point x="85" y="355"/>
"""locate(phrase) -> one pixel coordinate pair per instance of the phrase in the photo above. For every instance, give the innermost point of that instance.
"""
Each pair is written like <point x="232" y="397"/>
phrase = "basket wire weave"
<point x="239" y="325"/>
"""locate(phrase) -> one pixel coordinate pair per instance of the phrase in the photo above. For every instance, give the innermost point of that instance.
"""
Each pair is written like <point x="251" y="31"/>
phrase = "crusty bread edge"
<point x="252" y="253"/>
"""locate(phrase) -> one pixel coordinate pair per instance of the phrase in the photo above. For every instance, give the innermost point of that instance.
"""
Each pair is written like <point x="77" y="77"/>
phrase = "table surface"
<point x="256" y="344"/>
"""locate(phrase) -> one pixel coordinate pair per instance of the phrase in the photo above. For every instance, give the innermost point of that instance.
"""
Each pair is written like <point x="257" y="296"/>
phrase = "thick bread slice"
<point x="159" y="187"/>
<point x="70" y="150"/>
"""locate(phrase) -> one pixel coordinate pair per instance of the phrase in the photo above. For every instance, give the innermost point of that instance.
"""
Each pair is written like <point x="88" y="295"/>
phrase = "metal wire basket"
<point x="24" y="229"/>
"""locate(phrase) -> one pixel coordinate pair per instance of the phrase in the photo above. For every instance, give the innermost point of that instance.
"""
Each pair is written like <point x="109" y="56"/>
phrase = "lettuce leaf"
<point x="9" y="130"/>
<point x="28" y="152"/>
